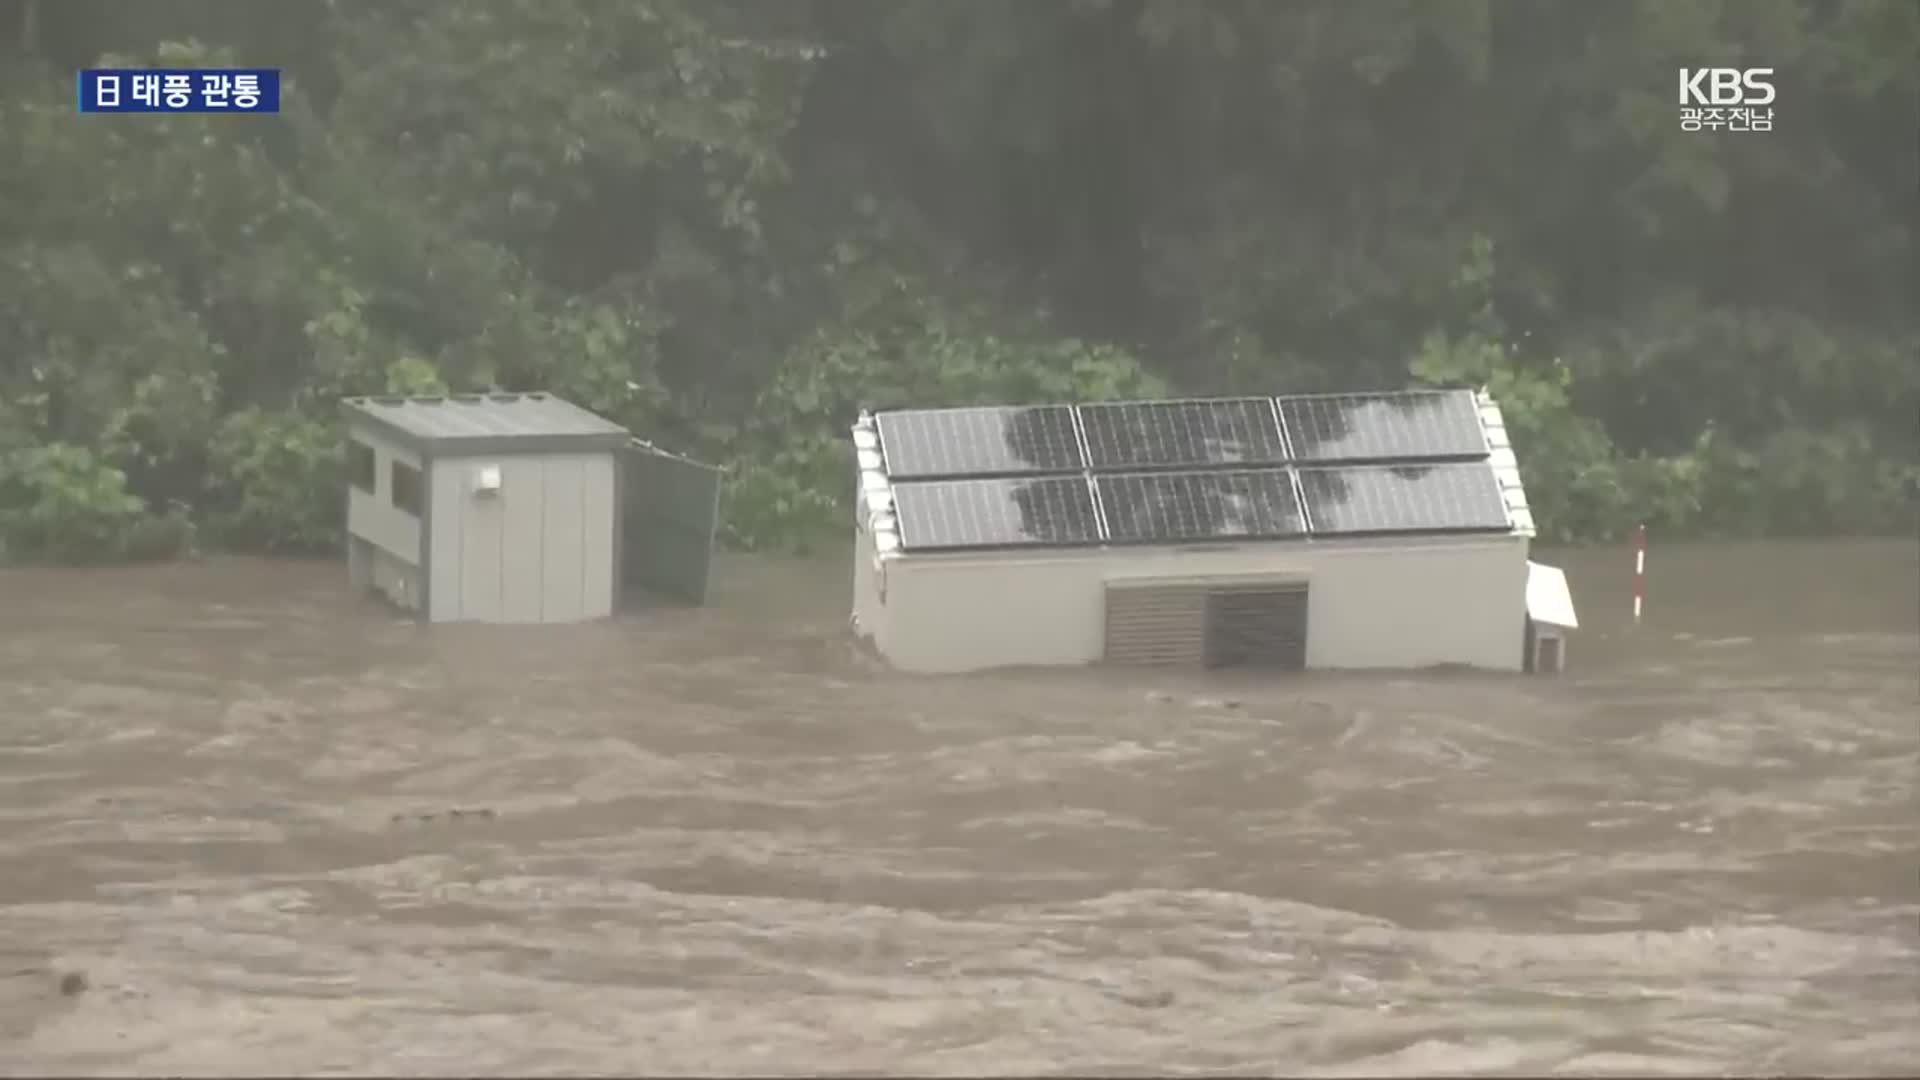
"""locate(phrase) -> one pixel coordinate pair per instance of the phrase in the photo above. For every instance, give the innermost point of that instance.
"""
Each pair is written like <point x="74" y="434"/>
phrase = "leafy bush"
<point x="62" y="502"/>
<point x="1803" y="482"/>
<point x="164" y="535"/>
<point x="1582" y="487"/>
<point x="793" y="471"/>
<point x="729" y="231"/>
<point x="276" y="482"/>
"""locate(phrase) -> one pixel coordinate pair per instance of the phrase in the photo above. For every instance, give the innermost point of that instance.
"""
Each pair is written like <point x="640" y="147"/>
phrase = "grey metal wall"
<point x="384" y="542"/>
<point x="398" y="581"/>
<point x="373" y="516"/>
<point x="1406" y="603"/>
<point x="541" y="550"/>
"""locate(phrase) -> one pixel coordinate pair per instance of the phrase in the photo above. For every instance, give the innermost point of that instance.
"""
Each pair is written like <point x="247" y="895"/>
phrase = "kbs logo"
<point x="1732" y="97"/>
<point x="1725" y="86"/>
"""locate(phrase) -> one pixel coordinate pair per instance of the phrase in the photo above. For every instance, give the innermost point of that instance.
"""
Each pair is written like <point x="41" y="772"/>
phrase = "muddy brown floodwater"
<point x="258" y="826"/>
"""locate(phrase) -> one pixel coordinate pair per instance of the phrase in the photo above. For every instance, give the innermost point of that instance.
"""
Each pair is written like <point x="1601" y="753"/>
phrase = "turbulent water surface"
<point x="251" y="824"/>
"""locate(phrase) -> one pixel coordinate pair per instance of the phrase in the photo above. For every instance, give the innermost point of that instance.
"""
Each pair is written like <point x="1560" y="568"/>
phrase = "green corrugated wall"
<point x="672" y="510"/>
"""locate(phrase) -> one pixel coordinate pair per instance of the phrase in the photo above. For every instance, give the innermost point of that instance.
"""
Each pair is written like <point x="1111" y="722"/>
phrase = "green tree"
<point x="728" y="224"/>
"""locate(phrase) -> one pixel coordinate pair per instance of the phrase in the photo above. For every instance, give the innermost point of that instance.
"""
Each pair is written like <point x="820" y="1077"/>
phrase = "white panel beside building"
<point x="1379" y="571"/>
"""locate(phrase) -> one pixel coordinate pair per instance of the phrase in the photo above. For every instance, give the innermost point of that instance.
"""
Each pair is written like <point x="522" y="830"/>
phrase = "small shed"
<point x="1372" y="530"/>
<point x="1550" y="615"/>
<point x="500" y="508"/>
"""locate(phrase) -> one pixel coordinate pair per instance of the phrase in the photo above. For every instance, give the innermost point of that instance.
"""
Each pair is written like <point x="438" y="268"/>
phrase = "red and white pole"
<point x="1639" y="570"/>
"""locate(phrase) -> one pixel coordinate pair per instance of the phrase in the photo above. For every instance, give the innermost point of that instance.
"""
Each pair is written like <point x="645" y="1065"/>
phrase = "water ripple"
<point x="301" y="836"/>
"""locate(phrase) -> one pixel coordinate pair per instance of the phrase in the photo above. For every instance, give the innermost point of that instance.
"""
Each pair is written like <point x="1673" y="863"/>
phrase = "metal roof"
<point x="462" y="424"/>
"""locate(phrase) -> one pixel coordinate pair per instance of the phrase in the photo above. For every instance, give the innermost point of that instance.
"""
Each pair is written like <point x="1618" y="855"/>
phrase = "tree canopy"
<point x="730" y="224"/>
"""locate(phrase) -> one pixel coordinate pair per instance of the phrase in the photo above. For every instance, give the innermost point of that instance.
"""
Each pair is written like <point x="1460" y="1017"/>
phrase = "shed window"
<point x="406" y="488"/>
<point x="360" y="465"/>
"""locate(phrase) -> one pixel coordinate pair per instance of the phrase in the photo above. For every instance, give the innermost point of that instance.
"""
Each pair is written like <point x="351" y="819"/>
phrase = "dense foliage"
<point x="728" y="224"/>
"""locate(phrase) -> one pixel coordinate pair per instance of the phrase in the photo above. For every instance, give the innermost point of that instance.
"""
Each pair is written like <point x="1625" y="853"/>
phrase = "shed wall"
<point x="541" y="550"/>
<point x="373" y="517"/>
<point x="384" y="541"/>
<point x="1377" y="604"/>
<point x="398" y="581"/>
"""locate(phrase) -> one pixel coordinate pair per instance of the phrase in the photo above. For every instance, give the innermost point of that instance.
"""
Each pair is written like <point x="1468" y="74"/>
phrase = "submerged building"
<point x="519" y="508"/>
<point x="1384" y="530"/>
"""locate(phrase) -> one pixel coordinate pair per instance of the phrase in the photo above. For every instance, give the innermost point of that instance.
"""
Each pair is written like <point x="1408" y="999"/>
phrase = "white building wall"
<point x="869" y="609"/>
<point x="1398" y="603"/>
<point x="540" y="550"/>
<point x="1420" y="606"/>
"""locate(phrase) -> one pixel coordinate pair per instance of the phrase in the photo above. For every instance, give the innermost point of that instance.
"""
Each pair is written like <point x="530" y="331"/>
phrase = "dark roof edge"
<point x="908" y="551"/>
<point x="459" y="446"/>
<point x="1192" y="400"/>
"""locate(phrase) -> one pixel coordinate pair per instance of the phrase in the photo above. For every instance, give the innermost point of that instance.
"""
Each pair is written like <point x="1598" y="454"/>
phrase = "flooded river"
<point x="249" y="824"/>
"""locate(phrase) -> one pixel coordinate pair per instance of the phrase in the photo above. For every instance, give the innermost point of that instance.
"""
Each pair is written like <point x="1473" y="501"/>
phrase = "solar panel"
<point x="1381" y="427"/>
<point x="1000" y="512"/>
<point x="1440" y="497"/>
<point x="980" y="442"/>
<point x="1182" y="434"/>
<point x="1176" y="507"/>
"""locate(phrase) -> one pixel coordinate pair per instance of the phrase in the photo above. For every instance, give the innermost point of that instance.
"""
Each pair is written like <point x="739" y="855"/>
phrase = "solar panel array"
<point x="1191" y="471"/>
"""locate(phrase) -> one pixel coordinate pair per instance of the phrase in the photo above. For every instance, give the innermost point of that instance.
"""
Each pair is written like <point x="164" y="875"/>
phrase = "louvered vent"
<point x="1257" y="627"/>
<point x="1250" y="626"/>
<point x="1156" y="624"/>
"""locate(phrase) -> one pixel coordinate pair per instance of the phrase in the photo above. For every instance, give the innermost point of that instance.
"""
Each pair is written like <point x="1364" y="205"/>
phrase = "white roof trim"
<point x="874" y="503"/>
<point x="1548" y="598"/>
<point x="1505" y="465"/>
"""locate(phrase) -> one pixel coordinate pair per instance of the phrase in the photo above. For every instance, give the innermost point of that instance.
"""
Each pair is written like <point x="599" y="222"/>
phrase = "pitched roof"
<point x="1242" y="469"/>
<point x="462" y="424"/>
